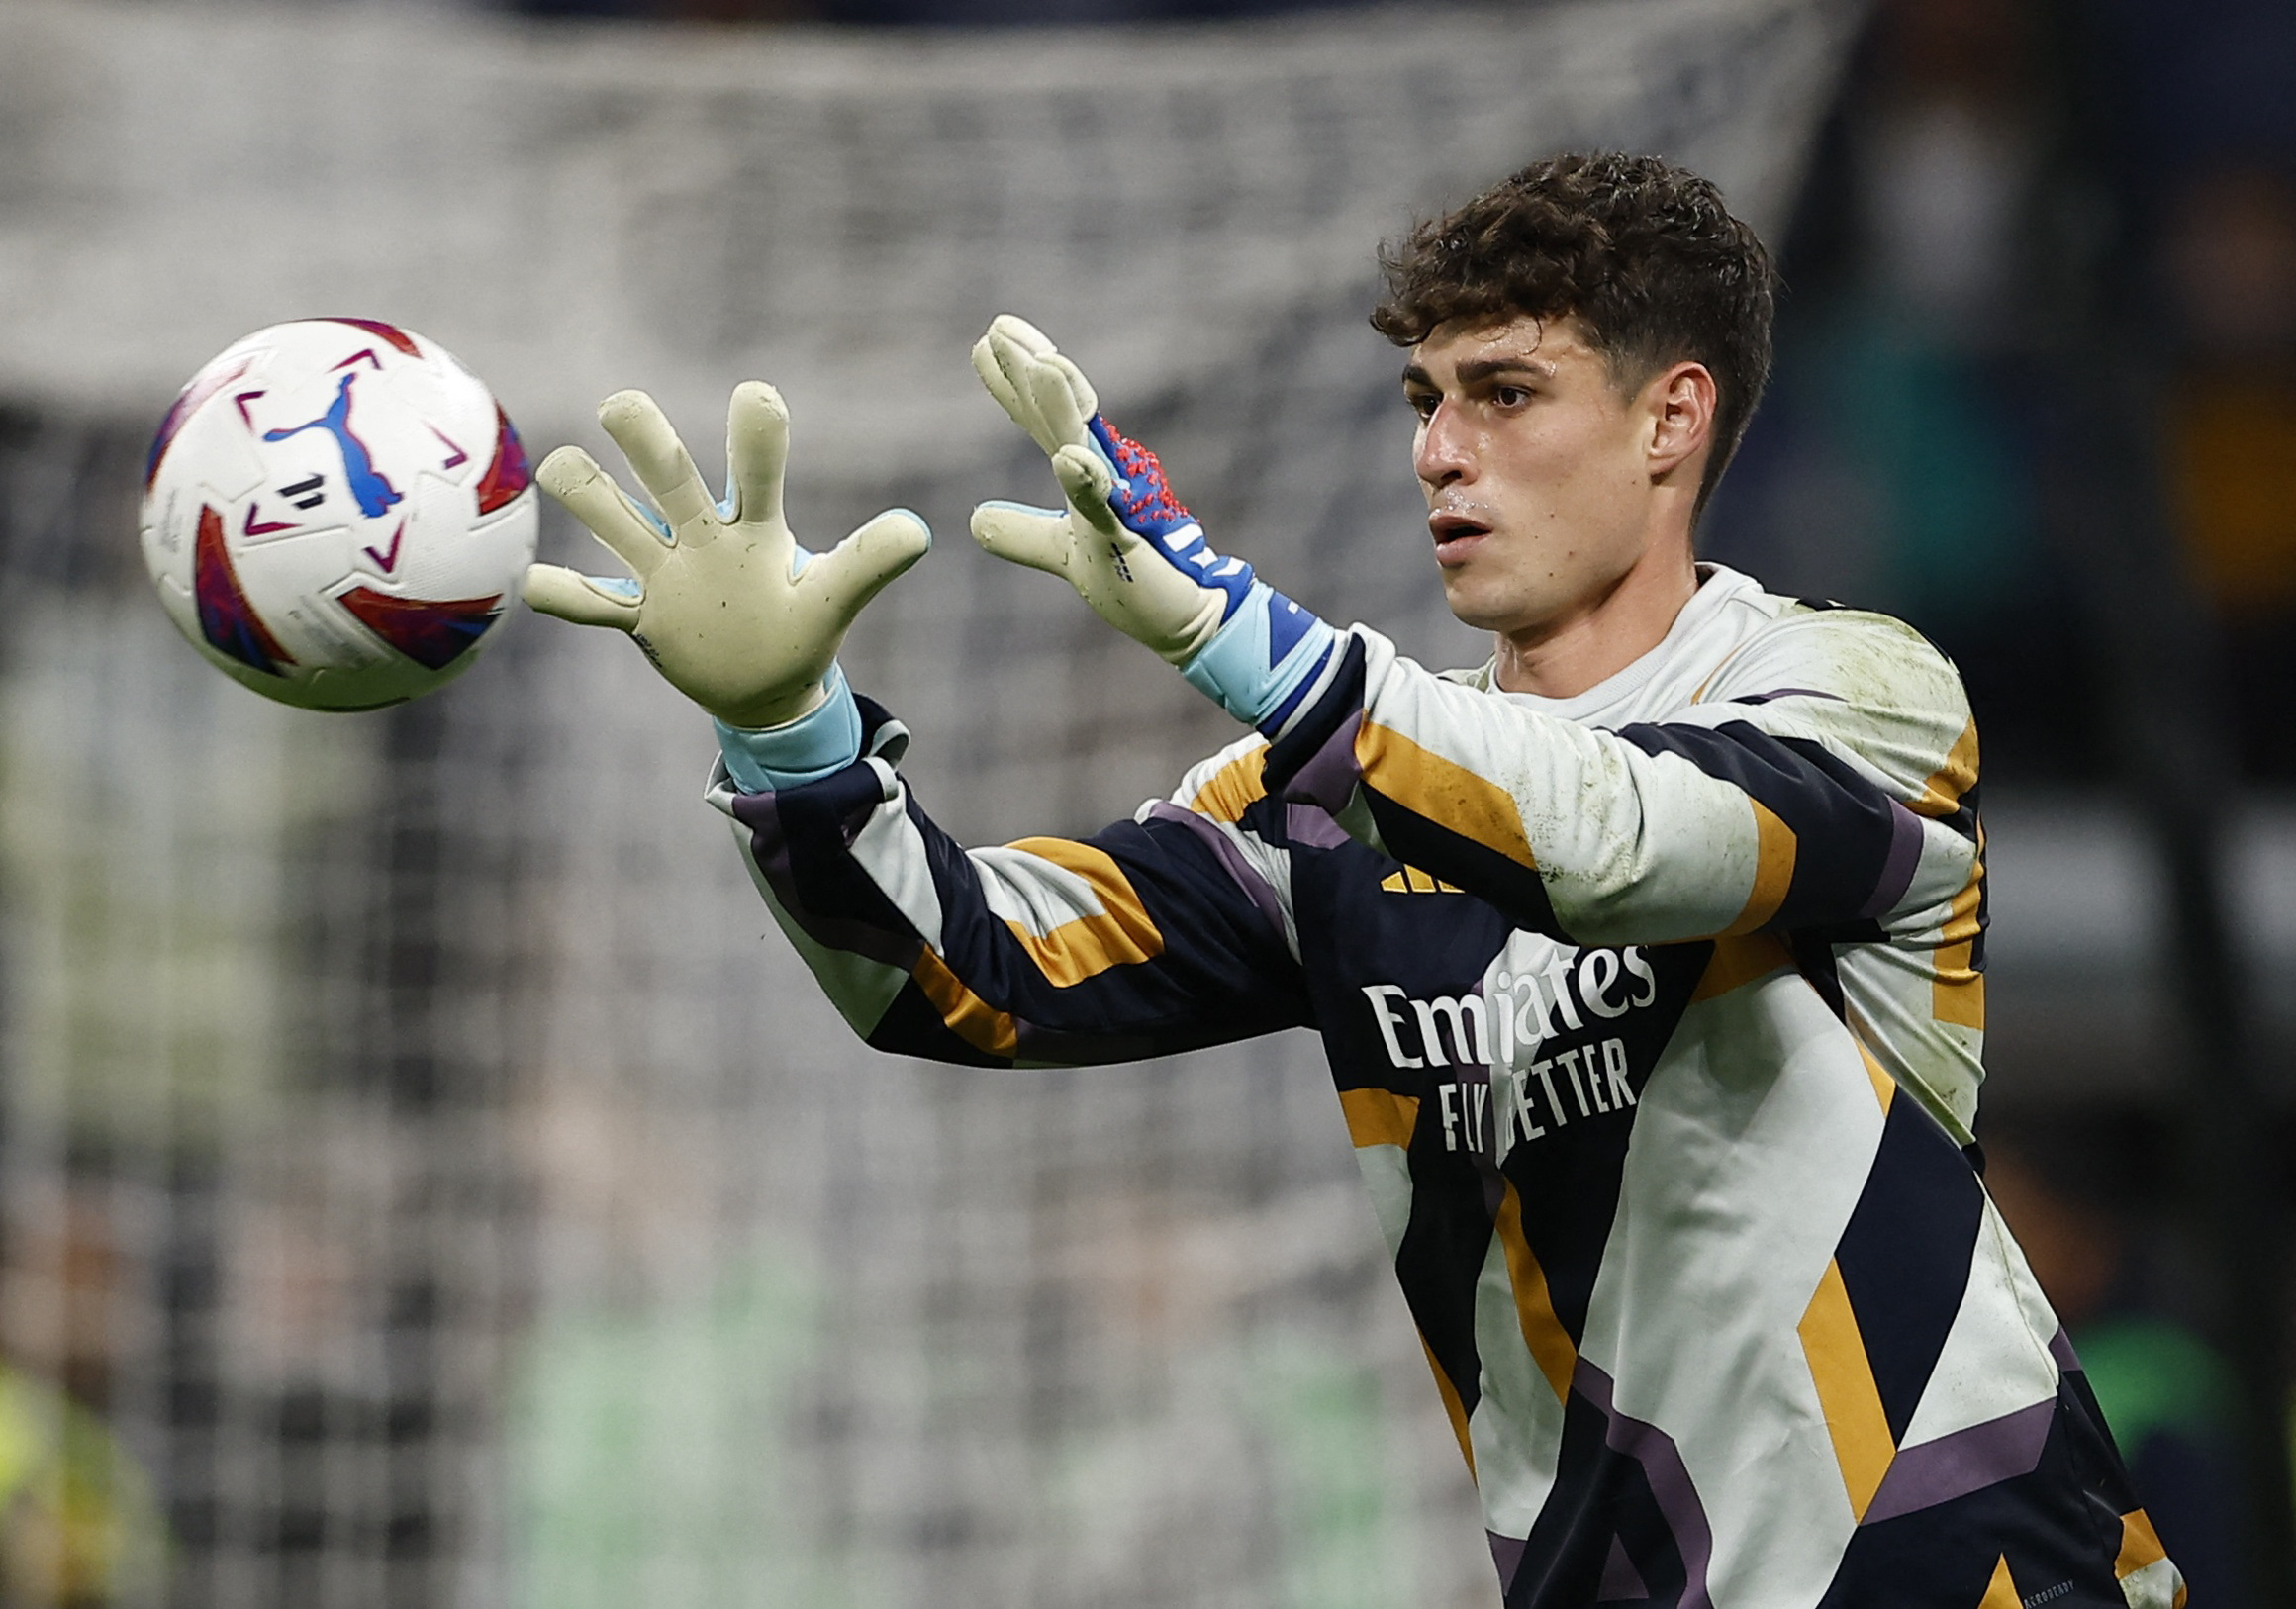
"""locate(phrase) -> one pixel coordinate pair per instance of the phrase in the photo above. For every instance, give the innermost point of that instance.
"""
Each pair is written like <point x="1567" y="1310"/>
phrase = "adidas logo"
<point x="1410" y="880"/>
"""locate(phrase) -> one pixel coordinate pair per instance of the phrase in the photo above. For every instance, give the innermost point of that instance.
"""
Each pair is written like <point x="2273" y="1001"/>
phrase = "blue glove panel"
<point x="1256" y="666"/>
<point x="1268" y="650"/>
<point x="1145" y="506"/>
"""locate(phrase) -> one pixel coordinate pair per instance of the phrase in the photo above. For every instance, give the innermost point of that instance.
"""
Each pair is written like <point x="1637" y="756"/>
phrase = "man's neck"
<point x="1605" y="635"/>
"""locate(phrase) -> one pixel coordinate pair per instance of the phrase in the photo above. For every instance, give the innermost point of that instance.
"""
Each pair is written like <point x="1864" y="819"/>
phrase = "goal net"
<point x="426" y="1178"/>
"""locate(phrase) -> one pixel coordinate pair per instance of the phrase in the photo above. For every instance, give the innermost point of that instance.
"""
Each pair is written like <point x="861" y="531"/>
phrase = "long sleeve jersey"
<point x="1655" y="1016"/>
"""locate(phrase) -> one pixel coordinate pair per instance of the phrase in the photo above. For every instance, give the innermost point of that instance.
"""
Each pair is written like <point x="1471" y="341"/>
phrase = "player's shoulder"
<point x="1817" y="647"/>
<point x="1863" y="683"/>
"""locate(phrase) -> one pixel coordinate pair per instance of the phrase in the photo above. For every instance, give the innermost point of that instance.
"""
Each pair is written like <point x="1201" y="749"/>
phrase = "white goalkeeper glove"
<point x="731" y="610"/>
<point x="1130" y="549"/>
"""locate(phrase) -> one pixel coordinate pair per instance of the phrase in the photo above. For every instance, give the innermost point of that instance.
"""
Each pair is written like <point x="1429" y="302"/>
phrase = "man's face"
<point x="1537" y="470"/>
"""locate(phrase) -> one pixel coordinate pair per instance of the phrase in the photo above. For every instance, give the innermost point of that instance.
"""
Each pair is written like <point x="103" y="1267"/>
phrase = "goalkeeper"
<point x="1648" y="955"/>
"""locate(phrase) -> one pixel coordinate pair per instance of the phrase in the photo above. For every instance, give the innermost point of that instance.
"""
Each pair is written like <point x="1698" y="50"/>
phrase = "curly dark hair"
<point x="1642" y="254"/>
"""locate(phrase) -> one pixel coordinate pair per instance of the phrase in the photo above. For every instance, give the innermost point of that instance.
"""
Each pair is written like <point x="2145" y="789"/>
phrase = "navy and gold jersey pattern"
<point x="1654" y="1017"/>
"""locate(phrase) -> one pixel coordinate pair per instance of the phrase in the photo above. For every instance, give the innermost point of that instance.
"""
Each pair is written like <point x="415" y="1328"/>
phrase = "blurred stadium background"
<point x="424" y="1178"/>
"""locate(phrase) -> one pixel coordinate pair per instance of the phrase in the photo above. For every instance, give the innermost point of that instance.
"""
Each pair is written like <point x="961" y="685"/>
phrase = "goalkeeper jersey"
<point x="1655" y="1016"/>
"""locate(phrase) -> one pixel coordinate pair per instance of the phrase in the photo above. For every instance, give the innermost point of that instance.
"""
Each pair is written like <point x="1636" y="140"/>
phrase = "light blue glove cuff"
<point x="819" y="743"/>
<point x="1264" y="655"/>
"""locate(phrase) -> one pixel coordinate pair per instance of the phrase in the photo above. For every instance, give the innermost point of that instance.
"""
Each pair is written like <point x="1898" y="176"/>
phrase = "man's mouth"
<point x="1456" y="536"/>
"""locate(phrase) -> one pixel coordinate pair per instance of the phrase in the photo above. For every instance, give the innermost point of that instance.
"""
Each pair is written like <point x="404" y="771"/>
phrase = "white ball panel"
<point x="337" y="470"/>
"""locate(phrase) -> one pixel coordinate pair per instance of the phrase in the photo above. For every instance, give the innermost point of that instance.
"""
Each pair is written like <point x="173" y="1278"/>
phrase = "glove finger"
<point x="1018" y="332"/>
<point x="757" y="451"/>
<point x="1021" y="333"/>
<point x="552" y="589"/>
<point x="573" y="476"/>
<point x="1088" y="401"/>
<point x="1037" y="537"/>
<point x="999" y="385"/>
<point x="1086" y="480"/>
<point x="1014" y="363"/>
<point x="664" y="467"/>
<point x="1056" y="404"/>
<point x="858" y="568"/>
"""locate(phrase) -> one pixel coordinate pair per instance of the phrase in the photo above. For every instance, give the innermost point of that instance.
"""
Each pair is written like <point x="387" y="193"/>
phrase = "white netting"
<point x="415" y="1142"/>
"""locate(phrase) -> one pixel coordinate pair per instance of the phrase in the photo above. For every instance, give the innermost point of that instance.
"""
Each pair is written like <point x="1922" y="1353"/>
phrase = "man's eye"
<point x="1509" y="396"/>
<point x="1422" y="404"/>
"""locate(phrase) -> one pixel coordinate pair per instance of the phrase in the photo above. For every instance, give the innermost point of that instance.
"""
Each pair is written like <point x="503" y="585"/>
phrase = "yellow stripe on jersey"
<point x="2147" y="1579"/>
<point x="1543" y="1332"/>
<point x="1234" y="788"/>
<point x="2000" y="1591"/>
<point x="1774" y="869"/>
<point x="1443" y="791"/>
<point x="2140" y="1544"/>
<point x="1452" y="1406"/>
<point x="1852" y="1401"/>
<point x="970" y="1017"/>
<point x="1737" y="962"/>
<point x="1942" y="794"/>
<point x="1121" y="935"/>
<point x="1884" y="1087"/>
<point x="1380" y="1117"/>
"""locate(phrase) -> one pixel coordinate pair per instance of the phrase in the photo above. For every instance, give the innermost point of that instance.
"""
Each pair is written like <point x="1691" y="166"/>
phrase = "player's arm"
<point x="1825" y="780"/>
<point x="1154" y="935"/>
<point x="1793" y="812"/>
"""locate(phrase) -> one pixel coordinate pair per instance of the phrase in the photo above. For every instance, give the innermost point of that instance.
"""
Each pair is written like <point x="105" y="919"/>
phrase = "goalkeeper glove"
<point x="731" y="610"/>
<point x="1130" y="549"/>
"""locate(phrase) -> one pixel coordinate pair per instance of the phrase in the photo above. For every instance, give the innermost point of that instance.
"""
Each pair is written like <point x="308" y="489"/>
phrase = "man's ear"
<point x="1681" y="401"/>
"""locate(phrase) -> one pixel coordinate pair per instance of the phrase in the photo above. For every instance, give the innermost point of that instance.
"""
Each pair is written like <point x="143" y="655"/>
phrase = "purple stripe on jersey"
<point x="1898" y="870"/>
<point x="768" y="844"/>
<point x="1257" y="887"/>
<point x="1668" y="1478"/>
<point x="2061" y="1348"/>
<point x="1305" y="825"/>
<point x="1788" y="693"/>
<point x="1508" y="1553"/>
<point x="1329" y="777"/>
<point x="769" y="848"/>
<point x="1968" y="1460"/>
<point x="1621" y="1581"/>
<point x="1493" y="1181"/>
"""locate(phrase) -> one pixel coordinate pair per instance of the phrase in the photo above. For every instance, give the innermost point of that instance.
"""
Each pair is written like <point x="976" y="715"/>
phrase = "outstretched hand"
<point x="1124" y="541"/>
<point x="731" y="610"/>
<point x="1130" y="549"/>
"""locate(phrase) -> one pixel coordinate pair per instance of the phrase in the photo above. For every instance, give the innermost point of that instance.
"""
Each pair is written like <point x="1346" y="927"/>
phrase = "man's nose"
<point x="1445" y="448"/>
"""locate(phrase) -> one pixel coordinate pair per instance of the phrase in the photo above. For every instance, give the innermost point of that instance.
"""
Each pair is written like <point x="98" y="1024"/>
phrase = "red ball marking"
<point x="390" y="334"/>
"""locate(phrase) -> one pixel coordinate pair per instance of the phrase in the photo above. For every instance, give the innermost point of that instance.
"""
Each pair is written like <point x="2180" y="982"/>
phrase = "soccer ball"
<point x="335" y="513"/>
